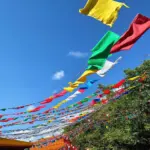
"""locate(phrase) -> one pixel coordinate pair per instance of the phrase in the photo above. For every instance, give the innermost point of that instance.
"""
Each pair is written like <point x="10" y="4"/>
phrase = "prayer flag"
<point x="137" y="28"/>
<point x="107" y="66"/>
<point x="105" y="11"/>
<point x="120" y="83"/>
<point x="101" y="51"/>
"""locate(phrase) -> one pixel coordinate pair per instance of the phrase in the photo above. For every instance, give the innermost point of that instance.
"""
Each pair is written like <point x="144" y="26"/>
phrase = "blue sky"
<point x="36" y="37"/>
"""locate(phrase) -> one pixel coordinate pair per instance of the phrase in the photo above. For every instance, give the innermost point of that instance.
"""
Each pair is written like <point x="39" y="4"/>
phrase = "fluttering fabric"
<point x="86" y="73"/>
<point x="78" y="92"/>
<point x="40" y="118"/>
<point x="101" y="51"/>
<point x="74" y="85"/>
<point x="47" y="117"/>
<point x="86" y="99"/>
<point x="82" y="89"/>
<point x="119" y="84"/>
<point x="107" y="66"/>
<point x="105" y="11"/>
<point x="95" y="63"/>
<point x="107" y="91"/>
<point x="104" y="101"/>
<point x="51" y="98"/>
<point x="134" y="78"/>
<point x="37" y="108"/>
<point x="46" y="101"/>
<point x="59" y="104"/>
<point x="137" y="28"/>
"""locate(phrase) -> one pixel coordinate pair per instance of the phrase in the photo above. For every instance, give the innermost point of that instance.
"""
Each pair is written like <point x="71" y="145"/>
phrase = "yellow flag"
<point x="134" y="78"/>
<point x="69" y="89"/>
<point x="105" y="11"/>
<point x="49" y="121"/>
<point x="131" y="87"/>
<point x="80" y="80"/>
<point x="86" y="73"/>
<point x="59" y="104"/>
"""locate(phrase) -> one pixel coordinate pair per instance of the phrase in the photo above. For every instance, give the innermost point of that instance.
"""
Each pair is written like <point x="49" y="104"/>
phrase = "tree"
<point x="121" y="125"/>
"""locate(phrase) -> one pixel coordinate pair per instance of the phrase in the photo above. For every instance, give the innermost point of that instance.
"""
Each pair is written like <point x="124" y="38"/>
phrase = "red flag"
<point x="120" y="91"/>
<point x="137" y="28"/>
<point x="92" y="102"/>
<point x="31" y="122"/>
<point x="6" y="120"/>
<point x="37" y="108"/>
<point x="9" y="119"/>
<point x="79" y="103"/>
<point x="47" y="100"/>
<point x="81" y="90"/>
<point x="62" y="93"/>
<point x="47" y="111"/>
<point x="120" y="83"/>
<point x="104" y="101"/>
<point x="106" y="91"/>
<point x="50" y="99"/>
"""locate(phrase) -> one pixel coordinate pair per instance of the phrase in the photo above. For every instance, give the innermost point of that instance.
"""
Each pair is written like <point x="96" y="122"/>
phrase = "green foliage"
<point x="127" y="125"/>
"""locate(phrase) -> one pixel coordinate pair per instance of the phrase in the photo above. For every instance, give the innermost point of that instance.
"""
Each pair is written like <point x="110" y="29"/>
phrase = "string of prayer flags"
<point x="118" y="92"/>
<point x="71" y="86"/>
<point x="74" y="85"/>
<point x="22" y="122"/>
<point x="137" y="28"/>
<point x="101" y="51"/>
<point x="98" y="61"/>
<point x="105" y="11"/>
<point x="86" y="99"/>
<point x="47" y="100"/>
<point x="51" y="98"/>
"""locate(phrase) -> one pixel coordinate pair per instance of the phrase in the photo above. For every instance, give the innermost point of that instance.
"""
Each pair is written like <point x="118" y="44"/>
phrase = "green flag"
<point x="101" y="51"/>
<point x="3" y="109"/>
<point x="26" y="119"/>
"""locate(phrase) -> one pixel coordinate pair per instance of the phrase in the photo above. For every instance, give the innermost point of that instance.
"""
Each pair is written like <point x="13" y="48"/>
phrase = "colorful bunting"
<point x="82" y="89"/>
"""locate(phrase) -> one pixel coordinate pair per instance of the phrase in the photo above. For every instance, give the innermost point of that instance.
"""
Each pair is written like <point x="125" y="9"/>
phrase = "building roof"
<point x="7" y="144"/>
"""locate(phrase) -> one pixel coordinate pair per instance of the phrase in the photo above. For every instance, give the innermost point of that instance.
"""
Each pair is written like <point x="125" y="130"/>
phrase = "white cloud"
<point x="58" y="75"/>
<point x="77" y="54"/>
